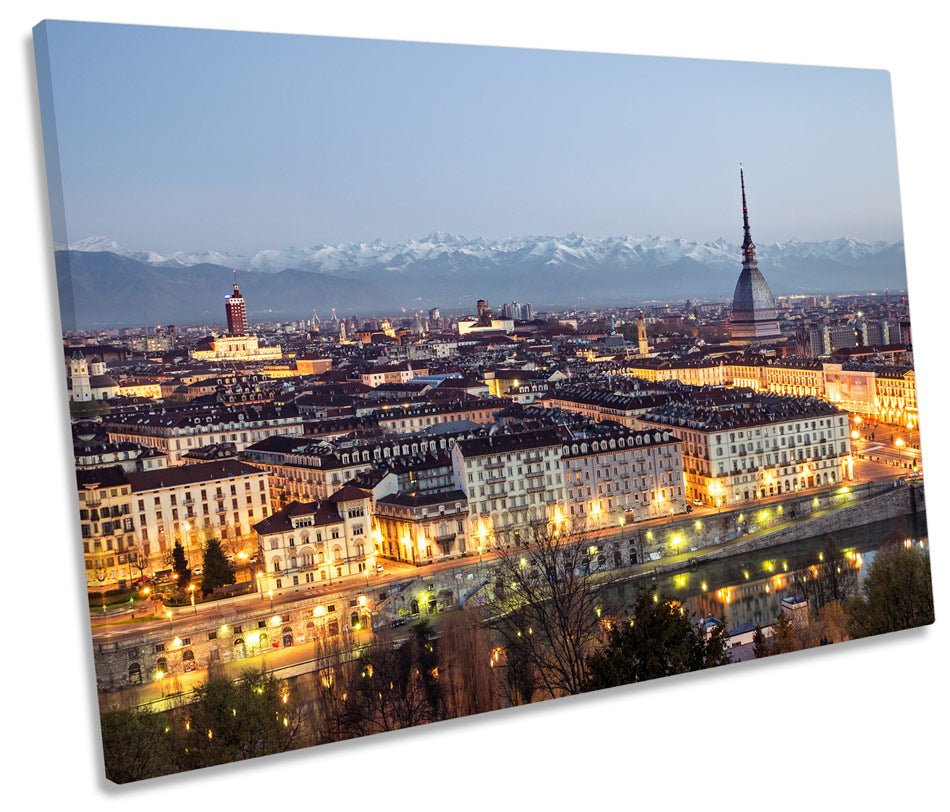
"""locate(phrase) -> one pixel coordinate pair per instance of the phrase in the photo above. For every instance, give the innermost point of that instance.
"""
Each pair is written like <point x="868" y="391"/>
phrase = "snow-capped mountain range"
<point x="450" y="249"/>
<point x="102" y="282"/>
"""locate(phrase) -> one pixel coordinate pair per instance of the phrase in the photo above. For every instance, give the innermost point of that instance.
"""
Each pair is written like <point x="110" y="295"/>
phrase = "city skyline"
<point x="240" y="142"/>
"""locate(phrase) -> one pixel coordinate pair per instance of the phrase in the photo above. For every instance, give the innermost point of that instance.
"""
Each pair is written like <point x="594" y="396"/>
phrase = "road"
<point x="222" y="611"/>
<point x="300" y="658"/>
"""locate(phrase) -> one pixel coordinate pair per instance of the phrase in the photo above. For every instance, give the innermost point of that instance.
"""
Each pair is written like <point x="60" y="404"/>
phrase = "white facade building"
<point x="511" y="481"/>
<point x="191" y="503"/>
<point x="316" y="542"/>
<point x="623" y="477"/>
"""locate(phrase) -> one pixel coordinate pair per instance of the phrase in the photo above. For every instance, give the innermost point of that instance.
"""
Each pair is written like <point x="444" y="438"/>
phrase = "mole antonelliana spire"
<point x="754" y="316"/>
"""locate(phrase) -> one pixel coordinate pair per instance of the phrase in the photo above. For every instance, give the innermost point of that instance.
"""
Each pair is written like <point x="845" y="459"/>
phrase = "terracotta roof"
<point x="349" y="493"/>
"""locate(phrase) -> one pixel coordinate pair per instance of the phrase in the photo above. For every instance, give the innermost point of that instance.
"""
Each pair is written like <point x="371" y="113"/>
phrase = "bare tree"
<point x="386" y="685"/>
<point x="467" y="660"/>
<point x="831" y="577"/>
<point x="548" y="604"/>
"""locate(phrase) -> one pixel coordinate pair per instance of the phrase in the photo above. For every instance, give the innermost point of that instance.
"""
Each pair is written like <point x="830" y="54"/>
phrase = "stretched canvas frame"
<point x="525" y="558"/>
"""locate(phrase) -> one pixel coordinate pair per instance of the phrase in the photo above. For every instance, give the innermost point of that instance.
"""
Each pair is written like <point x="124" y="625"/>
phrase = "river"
<point x="749" y="587"/>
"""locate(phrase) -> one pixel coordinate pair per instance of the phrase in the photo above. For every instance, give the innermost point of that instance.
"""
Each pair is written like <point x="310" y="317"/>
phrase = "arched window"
<point x="188" y="660"/>
<point x="354" y="620"/>
<point x="161" y="666"/>
<point x="135" y="674"/>
<point x="293" y="562"/>
<point x="337" y="553"/>
<point x="321" y="558"/>
<point x="276" y="564"/>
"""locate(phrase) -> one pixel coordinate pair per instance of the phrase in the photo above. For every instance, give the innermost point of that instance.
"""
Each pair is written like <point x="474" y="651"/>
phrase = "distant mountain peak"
<point x="450" y="269"/>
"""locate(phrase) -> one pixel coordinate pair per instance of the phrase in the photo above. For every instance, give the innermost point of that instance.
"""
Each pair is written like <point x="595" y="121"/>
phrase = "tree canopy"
<point x="897" y="593"/>
<point x="216" y="571"/>
<point x="180" y="565"/>
<point x="659" y="639"/>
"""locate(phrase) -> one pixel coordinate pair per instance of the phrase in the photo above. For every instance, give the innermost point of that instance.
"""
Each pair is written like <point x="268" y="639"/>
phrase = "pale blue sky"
<point x="185" y="139"/>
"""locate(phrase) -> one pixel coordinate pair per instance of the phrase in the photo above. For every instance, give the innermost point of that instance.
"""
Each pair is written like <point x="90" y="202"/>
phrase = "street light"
<point x="900" y="444"/>
<point x="191" y="589"/>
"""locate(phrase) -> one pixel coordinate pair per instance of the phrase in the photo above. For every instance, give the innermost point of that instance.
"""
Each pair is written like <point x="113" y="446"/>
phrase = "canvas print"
<point x="412" y="381"/>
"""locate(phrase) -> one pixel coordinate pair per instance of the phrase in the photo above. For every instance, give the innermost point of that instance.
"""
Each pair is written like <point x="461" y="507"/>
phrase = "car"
<point x="197" y="571"/>
<point x="698" y="502"/>
<point x="380" y="568"/>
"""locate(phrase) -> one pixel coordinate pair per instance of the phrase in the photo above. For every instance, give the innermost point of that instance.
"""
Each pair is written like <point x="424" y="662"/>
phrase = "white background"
<point x="862" y="725"/>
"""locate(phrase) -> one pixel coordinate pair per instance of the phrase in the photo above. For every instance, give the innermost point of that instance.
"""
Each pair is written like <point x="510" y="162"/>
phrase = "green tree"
<point x="216" y="571"/>
<point x="760" y="644"/>
<point x="229" y="721"/>
<point x="180" y="565"/>
<point x="898" y="593"/>
<point x="135" y="744"/>
<point x="88" y="408"/>
<point x="660" y="639"/>
<point x="784" y="638"/>
<point x="426" y="643"/>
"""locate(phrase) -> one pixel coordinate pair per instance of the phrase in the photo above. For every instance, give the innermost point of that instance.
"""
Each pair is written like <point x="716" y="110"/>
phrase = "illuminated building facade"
<point x="883" y="392"/>
<point x="192" y="503"/>
<point x="176" y="433"/>
<point x="623" y="477"/>
<point x="105" y="522"/>
<point x="749" y="449"/>
<point x="422" y="527"/>
<point x="395" y="373"/>
<point x="313" y="542"/>
<point x="511" y="481"/>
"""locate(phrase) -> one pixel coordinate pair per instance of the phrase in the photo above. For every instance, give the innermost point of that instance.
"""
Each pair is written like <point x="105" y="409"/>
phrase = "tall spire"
<point x="747" y="235"/>
<point x="754" y="315"/>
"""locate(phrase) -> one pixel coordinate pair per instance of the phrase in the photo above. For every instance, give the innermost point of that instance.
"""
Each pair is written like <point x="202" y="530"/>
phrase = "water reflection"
<point x="750" y="587"/>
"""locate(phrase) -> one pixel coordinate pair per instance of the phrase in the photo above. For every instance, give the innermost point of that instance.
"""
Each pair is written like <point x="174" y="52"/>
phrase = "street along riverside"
<point x="183" y="647"/>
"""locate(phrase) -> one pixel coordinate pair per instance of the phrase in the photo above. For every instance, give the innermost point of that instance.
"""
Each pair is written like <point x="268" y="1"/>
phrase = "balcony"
<point x="495" y="478"/>
<point x="444" y="539"/>
<point x="536" y="457"/>
<point x="490" y="465"/>
<point x="534" y="474"/>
